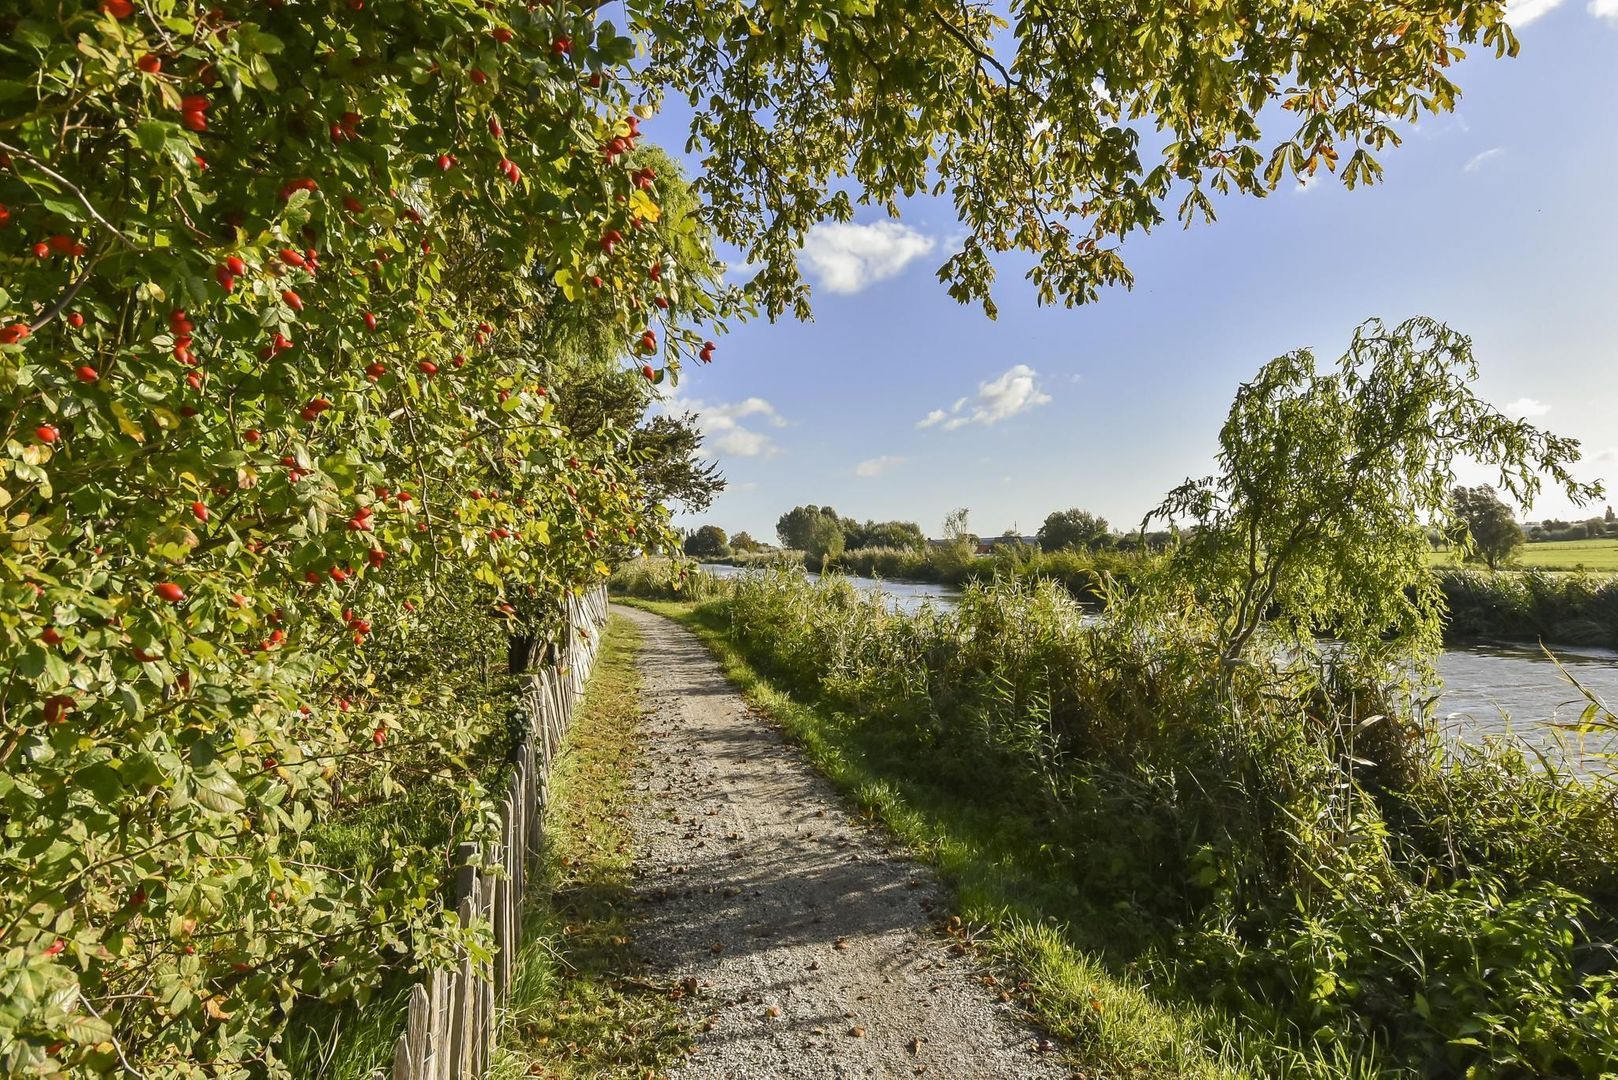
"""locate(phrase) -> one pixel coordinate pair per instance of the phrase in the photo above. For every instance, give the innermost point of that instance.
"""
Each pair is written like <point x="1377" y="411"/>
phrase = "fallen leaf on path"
<point x="857" y="1032"/>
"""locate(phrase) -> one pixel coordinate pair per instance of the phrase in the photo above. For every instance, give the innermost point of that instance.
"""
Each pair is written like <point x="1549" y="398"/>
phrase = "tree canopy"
<point x="708" y="542"/>
<point x="906" y="535"/>
<point x="1485" y="524"/>
<point x="1072" y="529"/>
<point x="1057" y="133"/>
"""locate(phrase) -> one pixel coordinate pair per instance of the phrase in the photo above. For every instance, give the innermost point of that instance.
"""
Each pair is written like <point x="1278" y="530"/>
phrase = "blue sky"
<point x="895" y="402"/>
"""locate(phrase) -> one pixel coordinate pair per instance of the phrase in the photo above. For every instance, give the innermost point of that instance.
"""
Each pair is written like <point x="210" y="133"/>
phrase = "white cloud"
<point x="1015" y="391"/>
<point x="1477" y="161"/>
<point x="753" y="406"/>
<point x="1526" y="407"/>
<point x="722" y="424"/>
<point x="1522" y="12"/>
<point x="877" y="466"/>
<point x="847" y="257"/>
<point x="1609" y="454"/>
<point x="1310" y="181"/>
<point x="1604" y="9"/>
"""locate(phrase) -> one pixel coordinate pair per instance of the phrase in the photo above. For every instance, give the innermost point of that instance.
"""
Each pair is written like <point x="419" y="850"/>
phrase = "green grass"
<point x="579" y="1006"/>
<point x="1553" y="555"/>
<point x="1007" y="888"/>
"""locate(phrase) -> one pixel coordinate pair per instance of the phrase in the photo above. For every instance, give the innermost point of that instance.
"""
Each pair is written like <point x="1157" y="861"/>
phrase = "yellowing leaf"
<point x="565" y="281"/>
<point x="126" y="425"/>
<point x="642" y="206"/>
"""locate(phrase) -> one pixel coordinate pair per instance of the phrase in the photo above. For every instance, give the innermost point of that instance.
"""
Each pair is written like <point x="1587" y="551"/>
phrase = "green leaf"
<point x="153" y="135"/>
<point x="218" y="791"/>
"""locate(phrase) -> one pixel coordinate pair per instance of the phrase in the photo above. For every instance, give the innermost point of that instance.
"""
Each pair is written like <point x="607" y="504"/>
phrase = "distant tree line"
<point x="823" y="533"/>
<point x="1593" y="528"/>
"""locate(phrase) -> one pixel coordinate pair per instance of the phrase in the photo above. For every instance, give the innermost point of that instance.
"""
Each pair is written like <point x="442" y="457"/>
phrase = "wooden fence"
<point x="449" y="1034"/>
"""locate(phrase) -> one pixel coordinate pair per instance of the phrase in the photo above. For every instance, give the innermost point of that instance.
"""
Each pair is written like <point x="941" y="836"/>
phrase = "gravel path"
<point x="806" y="948"/>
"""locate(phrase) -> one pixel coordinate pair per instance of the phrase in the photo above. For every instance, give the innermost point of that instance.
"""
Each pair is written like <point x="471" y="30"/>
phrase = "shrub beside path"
<point x="804" y="947"/>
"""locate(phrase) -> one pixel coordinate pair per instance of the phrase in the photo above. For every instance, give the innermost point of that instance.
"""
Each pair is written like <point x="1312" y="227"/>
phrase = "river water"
<point x="1489" y="690"/>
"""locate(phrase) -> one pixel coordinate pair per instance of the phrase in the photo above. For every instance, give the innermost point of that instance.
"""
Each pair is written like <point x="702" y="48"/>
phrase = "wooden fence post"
<point x="450" y="1022"/>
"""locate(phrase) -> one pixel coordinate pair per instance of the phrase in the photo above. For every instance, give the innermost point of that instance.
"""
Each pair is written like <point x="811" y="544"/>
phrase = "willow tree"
<point x="1317" y="518"/>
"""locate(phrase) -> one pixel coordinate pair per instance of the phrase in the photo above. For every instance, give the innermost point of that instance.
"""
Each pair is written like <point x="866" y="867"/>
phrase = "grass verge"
<point x="577" y="1005"/>
<point x="1005" y="886"/>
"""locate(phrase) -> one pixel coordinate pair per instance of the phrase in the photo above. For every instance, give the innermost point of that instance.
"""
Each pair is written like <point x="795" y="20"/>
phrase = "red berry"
<point x="235" y="265"/>
<point x="427" y="367"/>
<point x="150" y="64"/>
<point x="199" y="511"/>
<point x="500" y="34"/>
<point x="118" y="9"/>
<point x="251" y="435"/>
<point x="292" y="299"/>
<point x="169" y="591"/>
<point x="47" y="433"/>
<point x="646" y="370"/>
<point x="87" y="374"/>
<point x="370" y="321"/>
<point x="226" y="279"/>
<point x="50" y="636"/>
<point x="478" y="76"/>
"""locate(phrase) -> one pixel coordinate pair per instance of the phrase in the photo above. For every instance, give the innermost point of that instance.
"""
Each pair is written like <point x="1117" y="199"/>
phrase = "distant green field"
<point x="1556" y="555"/>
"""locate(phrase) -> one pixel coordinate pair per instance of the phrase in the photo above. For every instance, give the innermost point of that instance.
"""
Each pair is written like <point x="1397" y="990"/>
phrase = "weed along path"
<point x="805" y="949"/>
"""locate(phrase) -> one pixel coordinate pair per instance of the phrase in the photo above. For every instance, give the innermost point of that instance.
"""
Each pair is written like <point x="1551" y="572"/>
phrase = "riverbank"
<point x="1529" y="605"/>
<point x="1288" y="856"/>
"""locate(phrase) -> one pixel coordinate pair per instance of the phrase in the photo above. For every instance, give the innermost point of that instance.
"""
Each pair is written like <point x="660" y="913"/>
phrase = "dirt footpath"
<point x="808" y="946"/>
